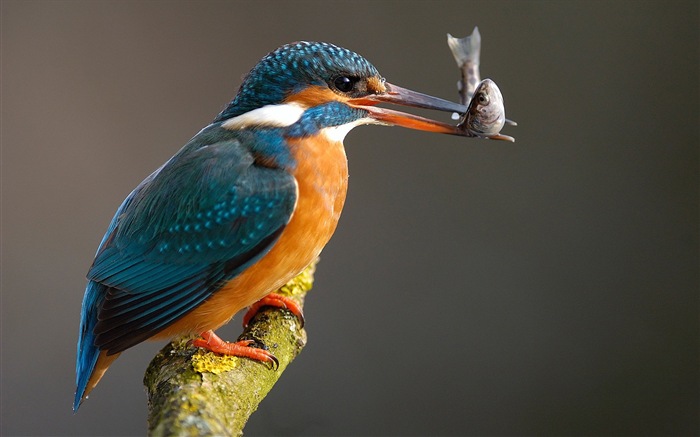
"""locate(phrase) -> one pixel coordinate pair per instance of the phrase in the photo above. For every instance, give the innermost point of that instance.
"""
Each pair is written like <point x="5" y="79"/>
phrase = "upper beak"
<point x="402" y="96"/>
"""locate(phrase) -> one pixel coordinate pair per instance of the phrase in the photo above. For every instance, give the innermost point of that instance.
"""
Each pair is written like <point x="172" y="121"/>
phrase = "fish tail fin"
<point x="467" y="49"/>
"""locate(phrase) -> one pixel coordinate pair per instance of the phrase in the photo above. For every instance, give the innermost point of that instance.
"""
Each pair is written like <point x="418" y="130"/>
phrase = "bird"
<point x="243" y="207"/>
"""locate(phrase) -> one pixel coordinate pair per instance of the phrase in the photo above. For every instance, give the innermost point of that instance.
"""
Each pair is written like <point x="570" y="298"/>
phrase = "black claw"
<point x="275" y="364"/>
<point x="300" y="317"/>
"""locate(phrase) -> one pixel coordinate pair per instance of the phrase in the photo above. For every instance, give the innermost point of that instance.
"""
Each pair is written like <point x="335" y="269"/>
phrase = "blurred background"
<point x="544" y="287"/>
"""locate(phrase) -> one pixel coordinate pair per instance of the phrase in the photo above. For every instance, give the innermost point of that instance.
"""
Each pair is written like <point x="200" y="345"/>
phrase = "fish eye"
<point x="344" y="84"/>
<point x="483" y="99"/>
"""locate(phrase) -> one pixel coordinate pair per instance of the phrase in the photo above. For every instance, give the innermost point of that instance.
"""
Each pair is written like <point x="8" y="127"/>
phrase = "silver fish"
<point x="486" y="114"/>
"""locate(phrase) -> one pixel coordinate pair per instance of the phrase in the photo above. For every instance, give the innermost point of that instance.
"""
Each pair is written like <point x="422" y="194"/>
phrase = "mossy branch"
<point x="193" y="392"/>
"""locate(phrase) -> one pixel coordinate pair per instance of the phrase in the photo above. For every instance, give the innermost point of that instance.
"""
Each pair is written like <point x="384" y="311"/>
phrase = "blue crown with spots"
<point x="289" y="69"/>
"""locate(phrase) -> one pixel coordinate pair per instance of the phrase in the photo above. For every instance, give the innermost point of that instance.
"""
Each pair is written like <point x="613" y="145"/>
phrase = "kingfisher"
<point x="240" y="209"/>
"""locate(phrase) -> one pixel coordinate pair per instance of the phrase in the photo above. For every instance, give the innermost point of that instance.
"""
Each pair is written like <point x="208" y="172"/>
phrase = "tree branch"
<point x="193" y="392"/>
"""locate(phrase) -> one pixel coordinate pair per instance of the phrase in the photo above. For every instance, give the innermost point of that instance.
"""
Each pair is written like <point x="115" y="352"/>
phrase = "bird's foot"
<point x="274" y="300"/>
<point x="212" y="342"/>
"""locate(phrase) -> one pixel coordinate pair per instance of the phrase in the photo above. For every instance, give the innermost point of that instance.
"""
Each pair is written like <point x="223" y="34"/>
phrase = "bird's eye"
<point x="483" y="99"/>
<point x="344" y="84"/>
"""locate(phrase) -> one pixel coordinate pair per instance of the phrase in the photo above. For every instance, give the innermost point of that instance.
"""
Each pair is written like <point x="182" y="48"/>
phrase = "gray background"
<point x="544" y="287"/>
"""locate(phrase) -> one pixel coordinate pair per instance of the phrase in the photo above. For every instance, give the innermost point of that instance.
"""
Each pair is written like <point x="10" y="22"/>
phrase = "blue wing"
<point x="212" y="210"/>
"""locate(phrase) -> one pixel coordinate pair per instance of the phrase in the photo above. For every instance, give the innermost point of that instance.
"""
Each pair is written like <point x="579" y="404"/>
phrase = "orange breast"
<point x="322" y="179"/>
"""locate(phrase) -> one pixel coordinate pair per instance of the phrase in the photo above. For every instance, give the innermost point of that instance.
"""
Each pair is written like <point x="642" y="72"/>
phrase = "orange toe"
<point x="212" y="342"/>
<point x="274" y="300"/>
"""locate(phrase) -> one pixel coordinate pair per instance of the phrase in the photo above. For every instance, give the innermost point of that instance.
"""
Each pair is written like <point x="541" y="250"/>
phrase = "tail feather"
<point x="88" y="354"/>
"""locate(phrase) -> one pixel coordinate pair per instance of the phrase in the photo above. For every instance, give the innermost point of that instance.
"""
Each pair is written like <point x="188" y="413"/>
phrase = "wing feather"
<point x="187" y="229"/>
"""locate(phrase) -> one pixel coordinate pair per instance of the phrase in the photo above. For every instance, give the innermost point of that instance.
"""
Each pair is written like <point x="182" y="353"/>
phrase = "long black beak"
<point x="402" y="96"/>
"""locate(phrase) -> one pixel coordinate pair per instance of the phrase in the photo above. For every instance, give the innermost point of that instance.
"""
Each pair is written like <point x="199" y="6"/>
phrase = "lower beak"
<point x="402" y="96"/>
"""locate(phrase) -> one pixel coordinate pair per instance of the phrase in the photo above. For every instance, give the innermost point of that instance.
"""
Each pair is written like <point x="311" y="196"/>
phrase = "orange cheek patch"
<point x="313" y="96"/>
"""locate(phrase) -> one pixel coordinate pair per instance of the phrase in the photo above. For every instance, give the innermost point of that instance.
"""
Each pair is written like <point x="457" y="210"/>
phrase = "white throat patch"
<point x="338" y="133"/>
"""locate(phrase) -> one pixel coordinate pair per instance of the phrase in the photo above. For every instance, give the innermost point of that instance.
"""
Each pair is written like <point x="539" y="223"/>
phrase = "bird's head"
<point x="320" y="85"/>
